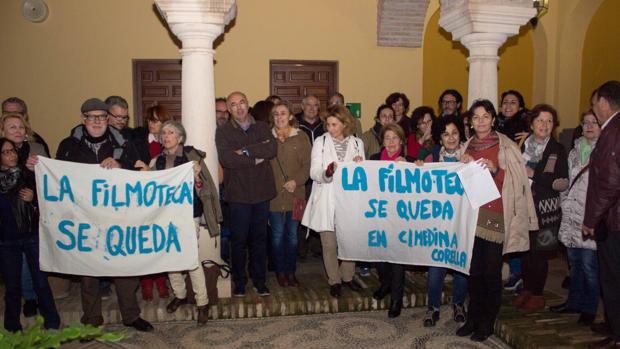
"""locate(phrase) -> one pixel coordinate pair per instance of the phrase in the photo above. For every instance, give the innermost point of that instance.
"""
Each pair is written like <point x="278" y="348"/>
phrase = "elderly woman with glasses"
<point x="207" y="209"/>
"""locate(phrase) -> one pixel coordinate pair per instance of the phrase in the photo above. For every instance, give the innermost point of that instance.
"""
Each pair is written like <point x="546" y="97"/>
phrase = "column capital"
<point x="463" y="17"/>
<point x="219" y="12"/>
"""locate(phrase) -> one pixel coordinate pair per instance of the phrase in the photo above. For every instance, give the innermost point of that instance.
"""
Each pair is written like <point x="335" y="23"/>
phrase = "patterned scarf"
<point x="9" y="179"/>
<point x="534" y="151"/>
<point x="478" y="144"/>
<point x="454" y="156"/>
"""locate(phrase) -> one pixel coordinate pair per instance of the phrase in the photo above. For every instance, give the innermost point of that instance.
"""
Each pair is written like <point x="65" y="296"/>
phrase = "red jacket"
<point x="603" y="198"/>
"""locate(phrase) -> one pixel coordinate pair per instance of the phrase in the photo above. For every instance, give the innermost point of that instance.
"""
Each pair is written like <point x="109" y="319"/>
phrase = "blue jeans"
<point x="11" y="256"/>
<point x="248" y="231"/>
<point x="584" y="285"/>
<point x="515" y="265"/>
<point x="436" y="276"/>
<point x="283" y="241"/>
<point x="27" y="286"/>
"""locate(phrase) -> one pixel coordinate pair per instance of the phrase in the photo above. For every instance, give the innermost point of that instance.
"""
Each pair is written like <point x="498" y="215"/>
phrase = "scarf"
<point x="454" y="156"/>
<point x="95" y="143"/>
<point x="533" y="151"/>
<point x="9" y="179"/>
<point x="476" y="144"/>
<point x="386" y="156"/>
<point x="585" y="149"/>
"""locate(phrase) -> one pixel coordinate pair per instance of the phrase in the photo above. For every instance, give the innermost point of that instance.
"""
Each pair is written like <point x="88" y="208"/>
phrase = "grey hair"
<point x="303" y="101"/>
<point x="116" y="100"/>
<point x="179" y="129"/>
<point x="19" y="101"/>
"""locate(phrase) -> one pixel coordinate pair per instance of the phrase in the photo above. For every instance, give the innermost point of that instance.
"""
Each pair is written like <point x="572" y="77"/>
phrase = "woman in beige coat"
<point x="291" y="169"/>
<point x="503" y="224"/>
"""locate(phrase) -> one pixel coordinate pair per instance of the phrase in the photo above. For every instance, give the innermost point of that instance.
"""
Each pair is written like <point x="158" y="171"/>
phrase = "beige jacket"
<point x="519" y="210"/>
<point x="293" y="160"/>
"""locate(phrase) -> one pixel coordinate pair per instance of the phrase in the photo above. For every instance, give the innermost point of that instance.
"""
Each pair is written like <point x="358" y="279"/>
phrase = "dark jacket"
<point x="312" y="130"/>
<point x="603" y="198"/>
<point x="552" y="166"/>
<point x="18" y="219"/>
<point x="140" y="141"/>
<point x="206" y="199"/>
<point x="75" y="148"/>
<point x="245" y="181"/>
<point x="511" y="126"/>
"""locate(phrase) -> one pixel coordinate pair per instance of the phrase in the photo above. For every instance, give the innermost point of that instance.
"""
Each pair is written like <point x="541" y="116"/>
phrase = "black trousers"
<point x="485" y="285"/>
<point x="609" y="272"/>
<point x="393" y="276"/>
<point x="534" y="268"/>
<point x="126" y="295"/>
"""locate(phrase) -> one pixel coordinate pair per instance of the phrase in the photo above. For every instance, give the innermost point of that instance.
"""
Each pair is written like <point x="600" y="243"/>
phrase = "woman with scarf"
<point x="19" y="228"/>
<point x="391" y="275"/>
<point x="372" y="137"/>
<point x="583" y="292"/>
<point x="547" y="169"/>
<point x="448" y="132"/>
<point x="207" y="210"/>
<point x="503" y="224"/>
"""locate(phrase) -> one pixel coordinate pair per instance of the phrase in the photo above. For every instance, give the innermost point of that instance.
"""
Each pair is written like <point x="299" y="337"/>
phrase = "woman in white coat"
<point x="336" y="146"/>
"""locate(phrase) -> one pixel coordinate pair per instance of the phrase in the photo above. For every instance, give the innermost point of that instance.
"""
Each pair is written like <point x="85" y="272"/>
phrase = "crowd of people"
<point x="276" y="183"/>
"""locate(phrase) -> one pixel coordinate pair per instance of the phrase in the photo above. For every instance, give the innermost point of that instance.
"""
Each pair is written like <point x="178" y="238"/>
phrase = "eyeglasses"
<point x="121" y="117"/>
<point x="6" y="152"/>
<point x="90" y="117"/>
<point x="448" y="102"/>
<point x="589" y="123"/>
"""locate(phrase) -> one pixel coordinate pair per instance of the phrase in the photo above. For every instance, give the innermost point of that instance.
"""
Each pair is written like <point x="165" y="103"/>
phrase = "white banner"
<point x="402" y="213"/>
<point x="115" y="222"/>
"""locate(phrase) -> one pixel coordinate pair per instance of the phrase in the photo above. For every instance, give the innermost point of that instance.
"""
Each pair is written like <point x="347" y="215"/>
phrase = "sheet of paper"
<point x="478" y="184"/>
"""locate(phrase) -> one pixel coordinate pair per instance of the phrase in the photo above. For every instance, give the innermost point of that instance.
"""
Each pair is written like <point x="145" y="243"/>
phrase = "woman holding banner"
<point x="503" y="224"/>
<point x="338" y="145"/>
<point x="206" y="209"/>
<point x="448" y="132"/>
<point x="19" y="227"/>
<point x="391" y="275"/>
<point x="290" y="170"/>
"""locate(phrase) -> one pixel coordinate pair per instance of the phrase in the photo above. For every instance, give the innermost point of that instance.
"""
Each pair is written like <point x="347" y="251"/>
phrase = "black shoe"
<point x="465" y="330"/>
<point x="586" y="319"/>
<point x="30" y="308"/>
<point x="239" y="291"/>
<point x="335" y="290"/>
<point x="479" y="336"/>
<point x="563" y="309"/>
<point x="141" y="325"/>
<point x="381" y="292"/>
<point x="395" y="308"/>
<point x="431" y="317"/>
<point x="601" y="328"/>
<point x="262" y="290"/>
<point x="353" y="285"/>
<point x="175" y="304"/>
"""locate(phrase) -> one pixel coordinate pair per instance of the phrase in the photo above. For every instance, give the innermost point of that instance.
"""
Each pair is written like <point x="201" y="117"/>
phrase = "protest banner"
<point x="114" y="222"/>
<point x="402" y="213"/>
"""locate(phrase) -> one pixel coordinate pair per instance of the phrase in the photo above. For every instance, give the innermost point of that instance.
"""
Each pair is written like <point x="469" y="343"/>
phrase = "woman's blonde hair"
<point x="5" y="117"/>
<point x="341" y="113"/>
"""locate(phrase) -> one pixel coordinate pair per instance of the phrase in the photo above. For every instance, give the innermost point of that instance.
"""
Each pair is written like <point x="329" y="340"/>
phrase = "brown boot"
<point x="175" y="304"/>
<point x="521" y="299"/>
<point x="282" y="280"/>
<point x="533" y="304"/>
<point x="203" y="315"/>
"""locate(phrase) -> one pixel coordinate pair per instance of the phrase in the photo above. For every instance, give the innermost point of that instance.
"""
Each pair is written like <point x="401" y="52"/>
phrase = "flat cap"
<point x="93" y="104"/>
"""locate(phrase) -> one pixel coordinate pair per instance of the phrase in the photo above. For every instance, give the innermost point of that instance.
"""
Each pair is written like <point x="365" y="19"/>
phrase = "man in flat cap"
<point x="94" y="142"/>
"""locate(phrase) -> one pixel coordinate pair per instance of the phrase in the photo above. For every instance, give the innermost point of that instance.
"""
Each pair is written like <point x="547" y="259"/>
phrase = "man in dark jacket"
<point x="93" y="142"/>
<point x="244" y="147"/>
<point x="603" y="205"/>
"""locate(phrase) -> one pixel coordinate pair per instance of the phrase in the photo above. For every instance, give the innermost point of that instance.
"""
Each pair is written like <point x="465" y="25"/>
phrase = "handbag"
<point x="547" y="239"/>
<point x="299" y="204"/>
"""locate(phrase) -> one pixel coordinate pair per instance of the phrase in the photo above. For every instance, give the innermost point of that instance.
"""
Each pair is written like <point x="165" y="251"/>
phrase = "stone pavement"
<point x="539" y="330"/>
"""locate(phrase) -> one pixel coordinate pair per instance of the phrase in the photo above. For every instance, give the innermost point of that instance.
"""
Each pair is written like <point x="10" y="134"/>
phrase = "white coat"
<point x="319" y="213"/>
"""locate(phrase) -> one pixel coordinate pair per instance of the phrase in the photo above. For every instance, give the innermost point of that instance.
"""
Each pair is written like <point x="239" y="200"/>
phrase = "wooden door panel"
<point x="156" y="81"/>
<point x="293" y="80"/>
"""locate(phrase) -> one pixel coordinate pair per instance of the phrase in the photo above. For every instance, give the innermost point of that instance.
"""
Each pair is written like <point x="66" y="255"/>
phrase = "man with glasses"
<point x="118" y="109"/>
<point x="450" y="103"/>
<point x="93" y="142"/>
<point x="221" y="111"/>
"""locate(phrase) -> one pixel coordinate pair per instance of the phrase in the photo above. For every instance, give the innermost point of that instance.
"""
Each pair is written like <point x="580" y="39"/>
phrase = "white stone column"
<point x="483" y="27"/>
<point x="197" y="23"/>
